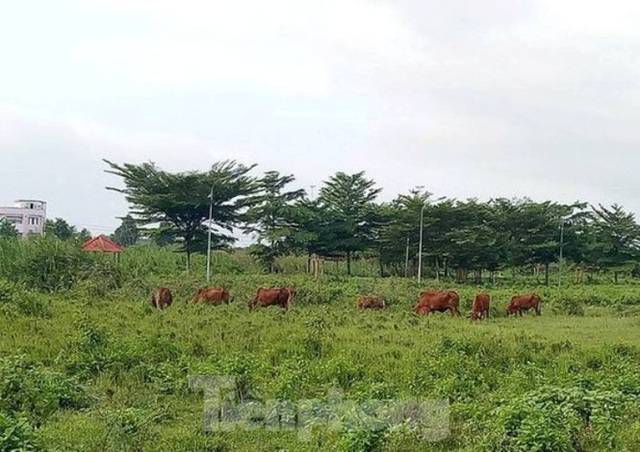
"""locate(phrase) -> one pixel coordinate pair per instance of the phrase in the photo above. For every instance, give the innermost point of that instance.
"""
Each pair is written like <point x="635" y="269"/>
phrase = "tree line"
<point x="57" y="227"/>
<point x="346" y="220"/>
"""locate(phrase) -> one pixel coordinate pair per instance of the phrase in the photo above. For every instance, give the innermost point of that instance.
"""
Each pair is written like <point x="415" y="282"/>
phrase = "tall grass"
<point x="87" y="364"/>
<point x="117" y="373"/>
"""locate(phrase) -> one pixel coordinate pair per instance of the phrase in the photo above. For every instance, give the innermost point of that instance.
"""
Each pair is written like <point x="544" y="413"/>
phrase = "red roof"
<point x="102" y="243"/>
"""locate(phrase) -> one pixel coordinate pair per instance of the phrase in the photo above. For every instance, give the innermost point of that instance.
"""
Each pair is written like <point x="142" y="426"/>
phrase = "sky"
<point x="535" y="98"/>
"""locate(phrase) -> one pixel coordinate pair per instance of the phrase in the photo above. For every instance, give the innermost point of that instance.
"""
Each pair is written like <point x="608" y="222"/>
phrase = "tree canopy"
<point x="347" y="220"/>
<point x="181" y="201"/>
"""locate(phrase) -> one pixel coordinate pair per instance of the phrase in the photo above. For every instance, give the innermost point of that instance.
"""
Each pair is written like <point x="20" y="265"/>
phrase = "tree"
<point x="127" y="234"/>
<point x="182" y="200"/>
<point x="350" y="200"/>
<point x="475" y="241"/>
<point x="402" y="224"/>
<point x="311" y="227"/>
<point x="163" y="235"/>
<point x="8" y="230"/>
<point x="532" y="229"/>
<point x="617" y="235"/>
<point x="60" y="228"/>
<point x="268" y="218"/>
<point x="83" y="235"/>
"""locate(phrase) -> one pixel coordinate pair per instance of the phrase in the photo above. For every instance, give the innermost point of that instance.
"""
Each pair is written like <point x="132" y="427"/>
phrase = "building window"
<point x="33" y="221"/>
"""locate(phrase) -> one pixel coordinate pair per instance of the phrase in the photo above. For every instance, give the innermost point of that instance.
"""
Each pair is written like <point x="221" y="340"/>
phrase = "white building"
<point x="27" y="215"/>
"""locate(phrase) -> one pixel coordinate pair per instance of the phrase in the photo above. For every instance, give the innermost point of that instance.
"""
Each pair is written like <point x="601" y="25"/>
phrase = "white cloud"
<point x="286" y="45"/>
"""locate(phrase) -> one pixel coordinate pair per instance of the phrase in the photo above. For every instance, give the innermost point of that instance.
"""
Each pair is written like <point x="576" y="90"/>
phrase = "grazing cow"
<point x="480" y="307"/>
<point x="161" y="298"/>
<point x="371" y="302"/>
<point x="438" y="301"/>
<point x="273" y="296"/>
<point x="521" y="303"/>
<point x="212" y="295"/>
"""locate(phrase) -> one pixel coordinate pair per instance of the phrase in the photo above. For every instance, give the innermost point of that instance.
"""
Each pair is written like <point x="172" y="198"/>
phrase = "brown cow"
<point x="161" y="298"/>
<point x="521" y="303"/>
<point x="438" y="301"/>
<point x="273" y="296"/>
<point x="212" y="295"/>
<point x="371" y="302"/>
<point x="480" y="307"/>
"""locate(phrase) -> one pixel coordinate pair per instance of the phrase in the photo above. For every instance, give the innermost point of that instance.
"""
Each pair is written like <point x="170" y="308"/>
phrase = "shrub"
<point x="569" y="306"/>
<point x="37" y="392"/>
<point x="16" y="434"/>
<point x="558" y="419"/>
<point x="16" y="300"/>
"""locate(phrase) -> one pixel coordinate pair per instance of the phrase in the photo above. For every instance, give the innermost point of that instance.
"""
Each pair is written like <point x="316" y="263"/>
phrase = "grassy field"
<point x="99" y="369"/>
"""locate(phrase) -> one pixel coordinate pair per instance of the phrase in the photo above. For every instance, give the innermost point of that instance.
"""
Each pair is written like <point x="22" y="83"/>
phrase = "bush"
<point x="569" y="306"/>
<point x="15" y="300"/>
<point x="559" y="419"/>
<point x="37" y="392"/>
<point x="16" y="434"/>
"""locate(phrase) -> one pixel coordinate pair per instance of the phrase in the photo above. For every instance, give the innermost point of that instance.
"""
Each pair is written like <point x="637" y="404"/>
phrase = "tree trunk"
<point x="615" y="277"/>
<point x="188" y="261"/>
<point x="479" y="276"/>
<point x="446" y="268"/>
<point x="437" y="270"/>
<point x="546" y="273"/>
<point x="493" y="277"/>
<point x="349" y="263"/>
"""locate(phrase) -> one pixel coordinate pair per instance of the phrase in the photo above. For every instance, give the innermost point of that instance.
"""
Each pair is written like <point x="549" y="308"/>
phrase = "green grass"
<point x="110" y="373"/>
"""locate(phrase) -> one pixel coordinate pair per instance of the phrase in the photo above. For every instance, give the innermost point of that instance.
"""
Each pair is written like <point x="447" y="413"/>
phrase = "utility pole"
<point x="560" y="260"/>
<point x="209" y="234"/>
<point x="406" y="261"/>
<point x="420" y="245"/>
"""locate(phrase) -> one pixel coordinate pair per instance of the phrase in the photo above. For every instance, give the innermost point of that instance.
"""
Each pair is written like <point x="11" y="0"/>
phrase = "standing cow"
<point x="161" y="298"/>
<point x="370" y="302"/>
<point x="521" y="303"/>
<point x="212" y="295"/>
<point x="480" y="307"/>
<point x="273" y="296"/>
<point x="440" y="301"/>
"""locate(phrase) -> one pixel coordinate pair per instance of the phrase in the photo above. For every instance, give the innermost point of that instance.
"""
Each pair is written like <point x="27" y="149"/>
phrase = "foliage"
<point x="14" y="299"/>
<point x="16" y="434"/>
<point x="37" y="392"/>
<point x="534" y="383"/>
<point x="555" y="418"/>
<point x="62" y="230"/>
<point x="349" y="200"/>
<point x="8" y="229"/>
<point x="127" y="234"/>
<point x="617" y="238"/>
<point x="181" y="201"/>
<point x="268" y="218"/>
<point x="346" y="221"/>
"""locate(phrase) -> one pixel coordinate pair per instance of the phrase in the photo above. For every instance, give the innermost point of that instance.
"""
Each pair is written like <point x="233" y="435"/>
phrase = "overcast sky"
<point x="467" y="98"/>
